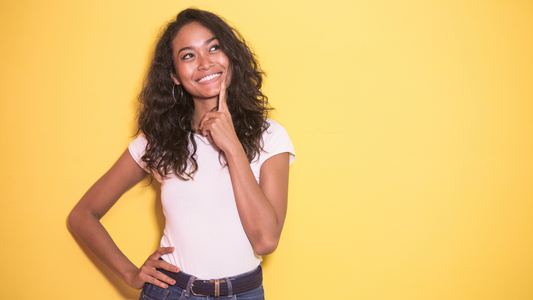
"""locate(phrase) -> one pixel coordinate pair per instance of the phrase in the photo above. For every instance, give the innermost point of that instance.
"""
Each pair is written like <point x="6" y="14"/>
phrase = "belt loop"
<point x="230" y="288"/>
<point x="217" y="288"/>
<point x="189" y="286"/>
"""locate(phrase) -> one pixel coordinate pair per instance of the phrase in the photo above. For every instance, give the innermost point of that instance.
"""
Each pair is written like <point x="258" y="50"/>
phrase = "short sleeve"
<point x="137" y="148"/>
<point x="276" y="140"/>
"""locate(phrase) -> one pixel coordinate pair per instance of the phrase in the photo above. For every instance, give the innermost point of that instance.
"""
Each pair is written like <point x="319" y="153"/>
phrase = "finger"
<point x="167" y="266"/>
<point x="161" y="264"/>
<point x="208" y="116"/>
<point x="161" y="280"/>
<point x="165" y="250"/>
<point x="207" y="125"/>
<point x="222" y="105"/>
<point x="164" y="278"/>
<point x="162" y="250"/>
<point x="150" y="275"/>
<point x="210" y="137"/>
<point x="158" y="283"/>
<point x="204" y="119"/>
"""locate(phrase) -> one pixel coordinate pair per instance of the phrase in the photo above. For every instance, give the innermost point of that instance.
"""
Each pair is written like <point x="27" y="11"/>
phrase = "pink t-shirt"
<point x="202" y="221"/>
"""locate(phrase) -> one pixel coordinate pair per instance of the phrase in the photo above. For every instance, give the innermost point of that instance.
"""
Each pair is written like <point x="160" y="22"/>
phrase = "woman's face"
<point x="199" y="61"/>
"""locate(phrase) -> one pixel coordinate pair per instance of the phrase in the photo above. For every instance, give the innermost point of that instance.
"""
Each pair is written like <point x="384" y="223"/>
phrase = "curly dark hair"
<point x="166" y="123"/>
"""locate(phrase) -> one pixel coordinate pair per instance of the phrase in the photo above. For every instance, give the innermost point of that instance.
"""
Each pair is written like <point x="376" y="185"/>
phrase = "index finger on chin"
<point x="222" y="105"/>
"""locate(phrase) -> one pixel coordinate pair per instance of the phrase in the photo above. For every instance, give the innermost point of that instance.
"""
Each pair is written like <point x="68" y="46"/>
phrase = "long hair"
<point x="166" y="110"/>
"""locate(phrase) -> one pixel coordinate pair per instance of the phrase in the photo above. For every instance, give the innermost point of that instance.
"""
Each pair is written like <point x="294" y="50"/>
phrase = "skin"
<point x="262" y="207"/>
<point x="197" y="54"/>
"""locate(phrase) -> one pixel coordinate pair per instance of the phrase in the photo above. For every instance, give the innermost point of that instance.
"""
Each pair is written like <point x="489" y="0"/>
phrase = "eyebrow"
<point x="191" y="48"/>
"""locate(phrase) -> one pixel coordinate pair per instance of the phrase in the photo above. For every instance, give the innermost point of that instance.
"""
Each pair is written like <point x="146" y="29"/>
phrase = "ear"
<point x="176" y="81"/>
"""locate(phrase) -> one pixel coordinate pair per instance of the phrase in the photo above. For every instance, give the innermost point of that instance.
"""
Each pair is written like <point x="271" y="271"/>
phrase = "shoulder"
<point x="137" y="149"/>
<point x="274" y="128"/>
<point x="276" y="140"/>
<point x="138" y="144"/>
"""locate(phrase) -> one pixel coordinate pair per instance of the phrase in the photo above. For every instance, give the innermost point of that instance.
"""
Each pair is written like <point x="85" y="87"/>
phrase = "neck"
<point x="201" y="107"/>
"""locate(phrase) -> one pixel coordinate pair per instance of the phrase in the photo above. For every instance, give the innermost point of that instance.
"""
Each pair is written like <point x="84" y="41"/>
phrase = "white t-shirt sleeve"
<point x="276" y="140"/>
<point x="137" y="148"/>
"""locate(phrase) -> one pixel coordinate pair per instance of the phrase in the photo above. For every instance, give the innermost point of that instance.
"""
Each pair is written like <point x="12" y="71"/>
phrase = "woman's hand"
<point x="148" y="273"/>
<point x="262" y="207"/>
<point x="218" y="126"/>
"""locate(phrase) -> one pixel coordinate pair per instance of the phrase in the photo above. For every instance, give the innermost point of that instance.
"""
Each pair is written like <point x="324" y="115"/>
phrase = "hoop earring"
<point x="174" y="97"/>
<point x="181" y="94"/>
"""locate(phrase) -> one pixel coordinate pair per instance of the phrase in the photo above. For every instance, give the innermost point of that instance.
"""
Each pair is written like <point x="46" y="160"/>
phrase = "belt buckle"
<point x="192" y="289"/>
<point x="217" y="287"/>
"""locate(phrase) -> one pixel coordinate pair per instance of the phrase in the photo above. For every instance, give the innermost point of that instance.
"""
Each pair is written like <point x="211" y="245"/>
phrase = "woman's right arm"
<point x="84" y="220"/>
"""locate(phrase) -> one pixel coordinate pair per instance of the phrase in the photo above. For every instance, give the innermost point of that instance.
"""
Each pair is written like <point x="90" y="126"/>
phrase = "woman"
<point x="223" y="167"/>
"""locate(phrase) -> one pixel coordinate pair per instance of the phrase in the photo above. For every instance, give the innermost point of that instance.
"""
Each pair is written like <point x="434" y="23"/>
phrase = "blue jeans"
<point x="152" y="292"/>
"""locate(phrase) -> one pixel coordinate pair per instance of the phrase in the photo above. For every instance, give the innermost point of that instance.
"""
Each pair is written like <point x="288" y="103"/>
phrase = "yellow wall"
<point x="412" y="121"/>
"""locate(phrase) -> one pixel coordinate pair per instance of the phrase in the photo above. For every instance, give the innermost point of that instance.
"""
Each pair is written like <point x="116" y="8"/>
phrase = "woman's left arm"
<point x="262" y="207"/>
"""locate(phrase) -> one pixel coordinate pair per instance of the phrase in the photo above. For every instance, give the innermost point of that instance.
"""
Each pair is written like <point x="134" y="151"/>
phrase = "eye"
<point x="187" y="56"/>
<point x="214" y="48"/>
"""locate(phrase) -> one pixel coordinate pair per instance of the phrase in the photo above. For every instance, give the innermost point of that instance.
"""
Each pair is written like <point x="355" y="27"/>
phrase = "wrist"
<point x="129" y="275"/>
<point x="234" y="152"/>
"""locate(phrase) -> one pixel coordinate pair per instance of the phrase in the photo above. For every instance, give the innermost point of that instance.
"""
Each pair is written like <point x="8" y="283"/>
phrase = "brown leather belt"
<point x="218" y="287"/>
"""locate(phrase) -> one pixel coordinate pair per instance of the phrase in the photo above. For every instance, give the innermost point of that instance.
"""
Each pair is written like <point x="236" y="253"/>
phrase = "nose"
<point x="205" y="62"/>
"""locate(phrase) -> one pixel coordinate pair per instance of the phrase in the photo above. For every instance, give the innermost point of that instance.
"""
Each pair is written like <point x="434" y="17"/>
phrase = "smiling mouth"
<point x="209" y="77"/>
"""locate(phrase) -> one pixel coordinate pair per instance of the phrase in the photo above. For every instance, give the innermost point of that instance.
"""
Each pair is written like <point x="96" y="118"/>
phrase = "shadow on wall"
<point x="125" y="290"/>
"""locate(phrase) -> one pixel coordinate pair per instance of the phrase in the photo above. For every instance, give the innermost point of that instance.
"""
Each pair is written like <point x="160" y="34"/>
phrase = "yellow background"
<point x="412" y="122"/>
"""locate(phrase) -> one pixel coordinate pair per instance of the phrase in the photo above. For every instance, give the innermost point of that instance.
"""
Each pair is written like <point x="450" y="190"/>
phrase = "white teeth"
<point x="206" y="78"/>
